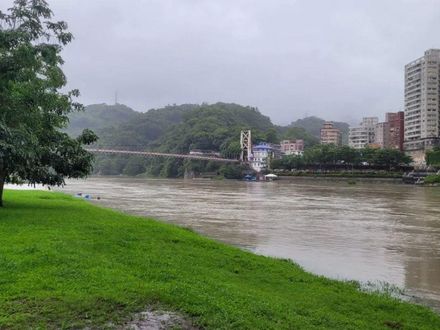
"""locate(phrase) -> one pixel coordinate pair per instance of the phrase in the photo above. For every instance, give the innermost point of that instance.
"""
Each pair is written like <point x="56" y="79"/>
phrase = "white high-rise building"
<point x="363" y="135"/>
<point x="422" y="106"/>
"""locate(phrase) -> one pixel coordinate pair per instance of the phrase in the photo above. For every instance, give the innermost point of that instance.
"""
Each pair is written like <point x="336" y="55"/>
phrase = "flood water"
<point x="368" y="232"/>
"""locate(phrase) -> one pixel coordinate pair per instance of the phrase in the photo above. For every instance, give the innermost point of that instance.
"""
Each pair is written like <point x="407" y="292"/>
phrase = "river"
<point x="370" y="232"/>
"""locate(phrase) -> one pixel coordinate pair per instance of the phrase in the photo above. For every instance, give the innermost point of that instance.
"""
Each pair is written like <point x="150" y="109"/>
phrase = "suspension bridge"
<point x="245" y="156"/>
<point x="121" y="151"/>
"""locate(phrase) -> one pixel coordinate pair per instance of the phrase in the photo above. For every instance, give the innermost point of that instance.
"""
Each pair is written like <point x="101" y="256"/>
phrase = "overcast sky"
<point x="339" y="60"/>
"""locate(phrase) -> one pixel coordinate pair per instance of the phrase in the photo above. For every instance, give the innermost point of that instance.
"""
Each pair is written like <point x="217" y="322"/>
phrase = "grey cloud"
<point x="335" y="59"/>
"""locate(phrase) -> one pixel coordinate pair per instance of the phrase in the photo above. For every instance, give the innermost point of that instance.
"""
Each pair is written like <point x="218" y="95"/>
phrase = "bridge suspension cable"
<point x="160" y="154"/>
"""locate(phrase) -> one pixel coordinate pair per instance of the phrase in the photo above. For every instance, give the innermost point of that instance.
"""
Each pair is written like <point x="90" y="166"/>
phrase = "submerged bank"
<point x="66" y="263"/>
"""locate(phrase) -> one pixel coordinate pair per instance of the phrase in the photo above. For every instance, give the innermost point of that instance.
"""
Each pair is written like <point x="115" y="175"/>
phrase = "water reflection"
<point x="367" y="232"/>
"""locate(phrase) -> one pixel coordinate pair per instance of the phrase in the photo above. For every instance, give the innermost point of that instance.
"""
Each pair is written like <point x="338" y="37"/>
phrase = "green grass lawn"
<point x="65" y="263"/>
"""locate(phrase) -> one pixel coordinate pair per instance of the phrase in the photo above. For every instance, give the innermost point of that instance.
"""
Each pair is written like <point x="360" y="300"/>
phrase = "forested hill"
<point x="146" y="129"/>
<point x="177" y="128"/>
<point x="98" y="116"/>
<point x="313" y="126"/>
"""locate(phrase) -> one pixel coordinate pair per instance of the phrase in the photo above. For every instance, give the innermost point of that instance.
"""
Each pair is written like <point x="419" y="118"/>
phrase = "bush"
<point x="433" y="157"/>
<point x="231" y="171"/>
<point x="430" y="179"/>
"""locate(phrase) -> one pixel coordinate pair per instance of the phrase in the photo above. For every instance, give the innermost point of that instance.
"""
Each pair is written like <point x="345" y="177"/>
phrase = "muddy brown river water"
<point x="370" y="232"/>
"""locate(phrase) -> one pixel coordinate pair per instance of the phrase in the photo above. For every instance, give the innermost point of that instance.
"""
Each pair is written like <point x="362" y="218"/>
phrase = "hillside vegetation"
<point x="313" y="125"/>
<point x="182" y="128"/>
<point x="66" y="264"/>
<point x="99" y="116"/>
<point x="177" y="128"/>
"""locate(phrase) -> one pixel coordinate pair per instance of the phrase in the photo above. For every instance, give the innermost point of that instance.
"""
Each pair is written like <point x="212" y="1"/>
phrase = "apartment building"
<point x="389" y="134"/>
<point x="330" y="134"/>
<point x="262" y="154"/>
<point x="292" y="147"/>
<point x="382" y="135"/>
<point x="422" y="108"/>
<point x="363" y="135"/>
<point x="396" y="125"/>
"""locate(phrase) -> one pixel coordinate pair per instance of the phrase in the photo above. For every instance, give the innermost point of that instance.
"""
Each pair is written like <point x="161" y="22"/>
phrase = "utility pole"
<point x="116" y="97"/>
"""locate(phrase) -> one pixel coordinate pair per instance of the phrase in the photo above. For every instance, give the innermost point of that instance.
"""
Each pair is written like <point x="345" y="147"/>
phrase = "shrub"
<point x="434" y="178"/>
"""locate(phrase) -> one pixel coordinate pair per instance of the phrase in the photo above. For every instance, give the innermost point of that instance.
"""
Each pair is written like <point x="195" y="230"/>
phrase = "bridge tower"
<point x="246" y="145"/>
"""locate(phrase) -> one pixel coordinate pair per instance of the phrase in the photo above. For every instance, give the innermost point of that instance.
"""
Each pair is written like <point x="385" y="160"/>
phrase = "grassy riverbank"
<point x="67" y="264"/>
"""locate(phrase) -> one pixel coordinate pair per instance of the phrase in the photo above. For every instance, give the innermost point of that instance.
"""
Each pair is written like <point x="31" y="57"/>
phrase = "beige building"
<point x="330" y="134"/>
<point x="363" y="135"/>
<point x="422" y="107"/>
<point x="292" y="147"/>
<point x="382" y="135"/>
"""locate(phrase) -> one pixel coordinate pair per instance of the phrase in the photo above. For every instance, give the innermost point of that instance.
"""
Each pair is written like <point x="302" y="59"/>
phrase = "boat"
<point x="250" y="178"/>
<point x="270" y="177"/>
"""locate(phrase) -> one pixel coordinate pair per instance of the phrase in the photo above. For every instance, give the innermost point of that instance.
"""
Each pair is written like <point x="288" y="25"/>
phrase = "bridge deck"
<point x="162" y="154"/>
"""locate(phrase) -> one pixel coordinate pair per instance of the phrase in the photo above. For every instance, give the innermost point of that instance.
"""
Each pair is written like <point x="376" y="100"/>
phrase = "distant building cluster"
<point x="416" y="129"/>
<point x="375" y="134"/>
<point x="264" y="152"/>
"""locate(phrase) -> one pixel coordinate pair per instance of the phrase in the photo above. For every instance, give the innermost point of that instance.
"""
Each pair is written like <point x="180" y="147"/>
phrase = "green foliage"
<point x="33" y="110"/>
<point x="272" y="136"/>
<point x="313" y="126"/>
<point x="66" y="264"/>
<point x="432" y="179"/>
<point x="433" y="157"/>
<point x="288" y="162"/>
<point x="328" y="154"/>
<point x="145" y="129"/>
<point x="181" y="129"/>
<point x="172" y="168"/>
<point x="232" y="171"/>
<point x="100" y="116"/>
<point x="294" y="133"/>
<point x="134" y="166"/>
<point x="390" y="158"/>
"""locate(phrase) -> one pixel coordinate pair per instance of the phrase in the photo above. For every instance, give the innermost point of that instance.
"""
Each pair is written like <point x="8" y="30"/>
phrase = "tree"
<point x="135" y="166"/>
<point x="347" y="155"/>
<point x="433" y="157"/>
<point x="295" y="133"/>
<point x="230" y="171"/>
<point x="33" y="111"/>
<point x="272" y="136"/>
